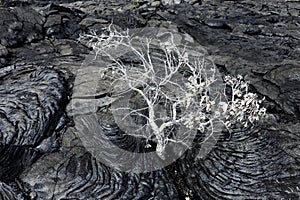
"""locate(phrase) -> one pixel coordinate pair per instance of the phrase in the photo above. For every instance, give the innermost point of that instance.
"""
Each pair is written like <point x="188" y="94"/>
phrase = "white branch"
<point x="187" y="100"/>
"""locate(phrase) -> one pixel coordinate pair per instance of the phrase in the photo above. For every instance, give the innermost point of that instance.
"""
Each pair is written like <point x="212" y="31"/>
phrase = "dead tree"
<point x="174" y="88"/>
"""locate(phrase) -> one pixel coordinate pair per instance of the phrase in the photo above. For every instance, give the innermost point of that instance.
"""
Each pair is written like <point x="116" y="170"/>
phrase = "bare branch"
<point x="181" y="83"/>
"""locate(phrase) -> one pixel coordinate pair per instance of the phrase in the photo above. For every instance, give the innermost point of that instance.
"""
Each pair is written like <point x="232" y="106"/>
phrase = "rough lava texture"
<point x="41" y="156"/>
<point x="18" y="26"/>
<point x="32" y="100"/>
<point x="74" y="173"/>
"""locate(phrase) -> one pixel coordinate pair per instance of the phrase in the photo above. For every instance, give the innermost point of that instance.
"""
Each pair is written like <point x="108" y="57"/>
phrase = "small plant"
<point x="244" y="106"/>
<point x="175" y="89"/>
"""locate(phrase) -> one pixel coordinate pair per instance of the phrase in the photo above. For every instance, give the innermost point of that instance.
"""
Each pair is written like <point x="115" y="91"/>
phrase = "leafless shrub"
<point x="175" y="89"/>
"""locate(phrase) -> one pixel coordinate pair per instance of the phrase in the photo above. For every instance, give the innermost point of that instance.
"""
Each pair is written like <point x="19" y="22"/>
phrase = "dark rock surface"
<point x="6" y="192"/>
<point x="74" y="173"/>
<point x="18" y="26"/>
<point x="32" y="101"/>
<point x="256" y="40"/>
<point x="42" y="158"/>
<point x="249" y="165"/>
